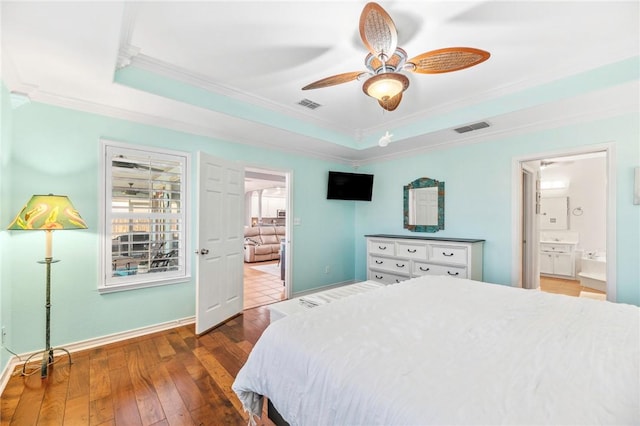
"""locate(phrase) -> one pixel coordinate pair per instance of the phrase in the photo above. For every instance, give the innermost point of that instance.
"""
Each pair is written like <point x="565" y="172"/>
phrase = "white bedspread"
<point x="440" y="350"/>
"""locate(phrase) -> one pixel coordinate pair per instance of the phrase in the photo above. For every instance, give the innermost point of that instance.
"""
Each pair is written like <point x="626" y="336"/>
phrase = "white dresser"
<point x="395" y="258"/>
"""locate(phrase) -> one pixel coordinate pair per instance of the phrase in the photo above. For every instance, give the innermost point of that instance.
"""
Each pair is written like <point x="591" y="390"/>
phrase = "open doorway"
<point x="571" y="202"/>
<point x="267" y="236"/>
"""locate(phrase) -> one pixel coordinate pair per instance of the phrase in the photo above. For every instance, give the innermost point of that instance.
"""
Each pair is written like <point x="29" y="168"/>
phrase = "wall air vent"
<point x="309" y="104"/>
<point x="472" y="127"/>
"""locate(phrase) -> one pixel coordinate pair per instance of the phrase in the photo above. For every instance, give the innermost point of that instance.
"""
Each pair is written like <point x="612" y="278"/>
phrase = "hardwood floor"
<point x="568" y="287"/>
<point x="166" y="378"/>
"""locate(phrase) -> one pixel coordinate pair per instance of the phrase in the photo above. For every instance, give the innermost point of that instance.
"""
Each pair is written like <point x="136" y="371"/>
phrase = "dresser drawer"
<point x="386" y="278"/>
<point x="390" y="264"/>
<point x="424" y="268"/>
<point x="448" y="254"/>
<point x="382" y="247"/>
<point x="412" y="251"/>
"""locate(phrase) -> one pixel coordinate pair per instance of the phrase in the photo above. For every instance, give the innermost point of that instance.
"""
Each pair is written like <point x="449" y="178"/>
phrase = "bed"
<point x="441" y="350"/>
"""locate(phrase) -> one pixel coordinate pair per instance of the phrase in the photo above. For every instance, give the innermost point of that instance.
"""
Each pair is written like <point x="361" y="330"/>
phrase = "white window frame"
<point x="107" y="283"/>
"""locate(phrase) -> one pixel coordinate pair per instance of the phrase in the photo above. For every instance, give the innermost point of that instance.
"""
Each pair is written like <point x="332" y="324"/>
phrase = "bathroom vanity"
<point x="558" y="259"/>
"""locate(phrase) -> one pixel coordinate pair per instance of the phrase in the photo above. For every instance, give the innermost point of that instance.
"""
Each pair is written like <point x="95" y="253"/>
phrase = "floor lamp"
<point x="47" y="213"/>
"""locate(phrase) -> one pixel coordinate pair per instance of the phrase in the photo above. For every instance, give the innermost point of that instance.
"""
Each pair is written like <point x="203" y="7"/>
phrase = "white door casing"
<point x="219" y="280"/>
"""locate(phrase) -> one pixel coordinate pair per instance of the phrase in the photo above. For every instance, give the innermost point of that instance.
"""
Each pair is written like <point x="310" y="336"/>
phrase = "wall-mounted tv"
<point x="349" y="186"/>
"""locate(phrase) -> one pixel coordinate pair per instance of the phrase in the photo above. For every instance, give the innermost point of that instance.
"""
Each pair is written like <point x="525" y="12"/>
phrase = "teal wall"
<point x="478" y="185"/>
<point x="57" y="150"/>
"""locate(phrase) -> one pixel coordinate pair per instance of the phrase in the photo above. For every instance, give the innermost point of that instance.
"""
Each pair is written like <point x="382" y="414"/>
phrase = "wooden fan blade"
<point x="333" y="80"/>
<point x="391" y="103"/>
<point x="377" y="30"/>
<point x="447" y="60"/>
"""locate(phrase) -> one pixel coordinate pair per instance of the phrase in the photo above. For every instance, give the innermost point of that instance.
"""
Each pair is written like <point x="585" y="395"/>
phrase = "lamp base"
<point x="47" y="360"/>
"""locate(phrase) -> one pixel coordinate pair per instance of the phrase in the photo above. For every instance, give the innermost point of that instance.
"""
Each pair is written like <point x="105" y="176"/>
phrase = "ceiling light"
<point x="385" y="86"/>
<point x="385" y="139"/>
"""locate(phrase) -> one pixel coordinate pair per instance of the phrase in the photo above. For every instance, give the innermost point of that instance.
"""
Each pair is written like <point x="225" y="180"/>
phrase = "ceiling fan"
<point x="386" y="60"/>
<point x="131" y="190"/>
<point x="125" y="163"/>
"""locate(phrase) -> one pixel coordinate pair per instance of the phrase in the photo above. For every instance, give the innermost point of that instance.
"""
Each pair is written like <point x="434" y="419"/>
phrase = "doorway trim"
<point x="517" y="209"/>
<point x="288" y="258"/>
<point x="530" y="235"/>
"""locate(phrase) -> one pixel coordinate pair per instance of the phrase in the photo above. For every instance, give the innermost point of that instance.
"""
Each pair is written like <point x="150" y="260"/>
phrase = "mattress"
<point x="441" y="350"/>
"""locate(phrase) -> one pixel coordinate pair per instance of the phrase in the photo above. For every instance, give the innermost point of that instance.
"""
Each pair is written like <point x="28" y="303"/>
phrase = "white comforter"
<point x="440" y="350"/>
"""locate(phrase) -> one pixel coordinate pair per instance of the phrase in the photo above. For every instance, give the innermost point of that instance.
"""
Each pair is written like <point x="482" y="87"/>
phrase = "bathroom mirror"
<point x="424" y="205"/>
<point x="554" y="213"/>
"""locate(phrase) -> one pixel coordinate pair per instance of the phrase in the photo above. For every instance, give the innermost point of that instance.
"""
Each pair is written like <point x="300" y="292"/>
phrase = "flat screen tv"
<point x="349" y="186"/>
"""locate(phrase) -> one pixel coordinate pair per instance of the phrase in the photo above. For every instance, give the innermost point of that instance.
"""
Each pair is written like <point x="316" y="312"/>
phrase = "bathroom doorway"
<point x="267" y="260"/>
<point x="572" y="203"/>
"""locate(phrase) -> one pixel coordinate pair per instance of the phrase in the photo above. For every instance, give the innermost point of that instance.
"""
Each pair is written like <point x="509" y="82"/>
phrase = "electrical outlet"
<point x="4" y="333"/>
<point x="327" y="269"/>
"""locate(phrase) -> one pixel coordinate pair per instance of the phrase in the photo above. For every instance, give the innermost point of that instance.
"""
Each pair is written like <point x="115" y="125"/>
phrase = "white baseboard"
<point x="15" y="361"/>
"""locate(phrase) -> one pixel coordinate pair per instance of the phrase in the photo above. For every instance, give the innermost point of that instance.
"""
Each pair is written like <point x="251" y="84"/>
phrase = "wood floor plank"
<point x="55" y="397"/>
<point x="124" y="399"/>
<point x="221" y="376"/>
<point x="79" y="375"/>
<point x="10" y="398"/>
<point x="218" y="406"/>
<point x="100" y="381"/>
<point x="186" y="385"/>
<point x="101" y="411"/>
<point x="32" y="397"/>
<point x="149" y="406"/>
<point x="164" y="348"/>
<point x="76" y="411"/>
<point x="174" y="407"/>
<point x="116" y="357"/>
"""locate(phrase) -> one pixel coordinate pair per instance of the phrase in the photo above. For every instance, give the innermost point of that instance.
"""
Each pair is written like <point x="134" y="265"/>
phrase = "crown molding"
<point x="168" y="70"/>
<point x="172" y="124"/>
<point x="541" y="125"/>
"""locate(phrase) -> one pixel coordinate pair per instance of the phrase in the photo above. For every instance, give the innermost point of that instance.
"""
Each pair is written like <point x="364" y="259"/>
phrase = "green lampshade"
<point x="47" y="213"/>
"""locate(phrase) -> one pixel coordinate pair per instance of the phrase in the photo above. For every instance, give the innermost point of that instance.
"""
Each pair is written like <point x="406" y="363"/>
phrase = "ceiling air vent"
<point x="309" y="104"/>
<point x="472" y="127"/>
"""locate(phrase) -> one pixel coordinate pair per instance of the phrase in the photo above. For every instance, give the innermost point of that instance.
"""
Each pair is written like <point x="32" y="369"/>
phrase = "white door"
<point x="219" y="280"/>
<point x="530" y="235"/>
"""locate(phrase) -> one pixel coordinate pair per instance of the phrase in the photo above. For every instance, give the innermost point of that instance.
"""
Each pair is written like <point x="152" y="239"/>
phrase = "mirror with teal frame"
<point x="424" y="205"/>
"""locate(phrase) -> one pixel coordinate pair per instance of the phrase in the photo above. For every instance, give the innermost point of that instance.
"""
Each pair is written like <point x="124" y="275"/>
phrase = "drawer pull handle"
<point x="412" y="251"/>
<point x="423" y="269"/>
<point x="448" y="255"/>
<point x="379" y="262"/>
<point x="382" y="247"/>
<point x="400" y="265"/>
<point x="379" y="277"/>
<point x="457" y="273"/>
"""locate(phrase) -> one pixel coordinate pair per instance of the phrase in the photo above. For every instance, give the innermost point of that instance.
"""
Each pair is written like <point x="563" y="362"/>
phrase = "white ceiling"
<point x="260" y="53"/>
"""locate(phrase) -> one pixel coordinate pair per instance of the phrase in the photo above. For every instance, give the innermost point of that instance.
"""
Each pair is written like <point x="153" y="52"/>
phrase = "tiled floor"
<point x="568" y="287"/>
<point x="261" y="288"/>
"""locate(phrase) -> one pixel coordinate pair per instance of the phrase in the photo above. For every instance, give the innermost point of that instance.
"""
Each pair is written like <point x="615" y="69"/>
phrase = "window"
<point x="145" y="217"/>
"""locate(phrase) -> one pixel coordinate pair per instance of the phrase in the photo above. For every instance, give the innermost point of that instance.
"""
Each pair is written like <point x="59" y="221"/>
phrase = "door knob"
<point x="202" y="251"/>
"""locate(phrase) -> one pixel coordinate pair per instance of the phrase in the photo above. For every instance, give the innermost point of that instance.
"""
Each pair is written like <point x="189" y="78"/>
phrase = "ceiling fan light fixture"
<point x="386" y="85"/>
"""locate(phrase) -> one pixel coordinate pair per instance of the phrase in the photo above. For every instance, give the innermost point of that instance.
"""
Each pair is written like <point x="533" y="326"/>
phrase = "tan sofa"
<point x="262" y="243"/>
